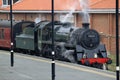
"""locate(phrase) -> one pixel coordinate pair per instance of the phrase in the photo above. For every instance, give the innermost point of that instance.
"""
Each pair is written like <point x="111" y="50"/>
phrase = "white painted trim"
<point x="102" y="11"/>
<point x="27" y="11"/>
<point x="57" y="11"/>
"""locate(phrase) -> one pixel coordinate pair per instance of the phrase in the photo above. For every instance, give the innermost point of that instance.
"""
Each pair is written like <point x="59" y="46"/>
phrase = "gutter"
<point x="61" y="11"/>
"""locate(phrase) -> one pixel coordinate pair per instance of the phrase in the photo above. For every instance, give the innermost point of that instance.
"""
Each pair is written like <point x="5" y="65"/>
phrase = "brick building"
<point x="102" y="14"/>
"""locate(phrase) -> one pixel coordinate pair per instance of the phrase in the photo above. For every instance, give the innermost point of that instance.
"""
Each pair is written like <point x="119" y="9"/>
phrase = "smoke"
<point x="70" y="14"/>
<point x="37" y="20"/>
<point x="84" y="4"/>
<point x="68" y="54"/>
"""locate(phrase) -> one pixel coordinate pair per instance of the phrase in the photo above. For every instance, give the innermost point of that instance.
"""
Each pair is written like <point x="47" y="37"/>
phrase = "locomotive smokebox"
<point x="85" y="25"/>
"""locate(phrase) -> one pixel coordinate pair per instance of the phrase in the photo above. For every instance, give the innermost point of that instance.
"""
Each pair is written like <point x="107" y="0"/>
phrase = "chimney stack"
<point x="85" y="25"/>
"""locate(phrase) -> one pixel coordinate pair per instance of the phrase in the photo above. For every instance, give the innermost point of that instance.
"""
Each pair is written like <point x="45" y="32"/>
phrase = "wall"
<point x="103" y="23"/>
<point x="4" y="16"/>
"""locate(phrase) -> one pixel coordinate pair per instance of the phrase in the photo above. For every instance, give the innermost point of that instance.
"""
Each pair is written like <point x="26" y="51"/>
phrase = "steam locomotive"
<point x="74" y="44"/>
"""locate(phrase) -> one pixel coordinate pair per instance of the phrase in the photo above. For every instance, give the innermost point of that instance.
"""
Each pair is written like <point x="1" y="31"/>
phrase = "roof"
<point x="0" y="3"/>
<point x="60" y="5"/>
<point x="104" y="4"/>
<point x="44" y="5"/>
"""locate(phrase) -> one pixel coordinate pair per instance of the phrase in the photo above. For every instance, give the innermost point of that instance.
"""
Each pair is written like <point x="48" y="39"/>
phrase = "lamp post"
<point x="117" y="40"/>
<point x="11" y="21"/>
<point x="53" y="53"/>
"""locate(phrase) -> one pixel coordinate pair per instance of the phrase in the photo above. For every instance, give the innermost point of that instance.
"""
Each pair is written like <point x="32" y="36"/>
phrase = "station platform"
<point x="27" y="67"/>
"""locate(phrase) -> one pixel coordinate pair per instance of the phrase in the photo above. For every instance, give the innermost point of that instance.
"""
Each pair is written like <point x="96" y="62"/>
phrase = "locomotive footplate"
<point x="90" y="61"/>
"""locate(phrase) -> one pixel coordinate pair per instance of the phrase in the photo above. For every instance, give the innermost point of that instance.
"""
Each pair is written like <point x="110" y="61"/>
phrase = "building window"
<point x="7" y="2"/>
<point x="14" y="1"/>
<point x="1" y="33"/>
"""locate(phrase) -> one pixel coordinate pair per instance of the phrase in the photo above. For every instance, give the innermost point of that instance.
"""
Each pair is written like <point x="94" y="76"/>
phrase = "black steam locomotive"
<point x="74" y="44"/>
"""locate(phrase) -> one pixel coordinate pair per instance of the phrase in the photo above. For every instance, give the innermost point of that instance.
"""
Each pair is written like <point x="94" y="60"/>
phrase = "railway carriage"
<point x="5" y="31"/>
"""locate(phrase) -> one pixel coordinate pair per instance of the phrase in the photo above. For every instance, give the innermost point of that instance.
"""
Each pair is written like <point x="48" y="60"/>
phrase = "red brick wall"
<point x="19" y="17"/>
<point x="100" y="22"/>
<point x="4" y="16"/>
<point x="103" y="23"/>
<point x="108" y="35"/>
<point x="78" y="20"/>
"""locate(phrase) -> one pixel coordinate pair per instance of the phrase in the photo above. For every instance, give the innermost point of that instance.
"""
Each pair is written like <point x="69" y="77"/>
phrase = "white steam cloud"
<point x="70" y="14"/>
<point x="85" y="7"/>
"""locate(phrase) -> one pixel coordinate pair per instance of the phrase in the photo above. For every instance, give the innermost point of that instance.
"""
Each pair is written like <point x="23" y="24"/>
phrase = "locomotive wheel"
<point x="87" y="63"/>
<point x="31" y="52"/>
<point x="100" y="66"/>
<point x="46" y="52"/>
<point x="38" y="53"/>
<point x="24" y="51"/>
<point x="104" y="67"/>
<point x="58" y="52"/>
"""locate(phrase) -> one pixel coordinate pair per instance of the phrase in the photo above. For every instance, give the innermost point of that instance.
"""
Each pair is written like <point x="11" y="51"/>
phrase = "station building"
<point x="101" y="13"/>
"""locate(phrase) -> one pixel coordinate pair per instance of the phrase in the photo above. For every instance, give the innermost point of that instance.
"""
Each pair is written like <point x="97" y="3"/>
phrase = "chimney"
<point x="85" y="25"/>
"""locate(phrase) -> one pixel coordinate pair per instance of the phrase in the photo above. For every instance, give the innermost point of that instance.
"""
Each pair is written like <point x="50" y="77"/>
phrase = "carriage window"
<point x="1" y="33"/>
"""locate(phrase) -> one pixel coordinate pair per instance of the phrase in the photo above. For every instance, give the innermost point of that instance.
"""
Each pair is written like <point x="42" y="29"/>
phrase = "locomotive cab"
<point x="25" y="39"/>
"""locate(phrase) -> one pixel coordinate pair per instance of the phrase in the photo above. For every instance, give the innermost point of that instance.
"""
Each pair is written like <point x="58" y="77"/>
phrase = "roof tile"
<point x="0" y="4"/>
<point x="104" y="4"/>
<point x="45" y="5"/>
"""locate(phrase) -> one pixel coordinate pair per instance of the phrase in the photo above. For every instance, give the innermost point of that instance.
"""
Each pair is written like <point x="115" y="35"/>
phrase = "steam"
<point x="37" y="20"/>
<point x="70" y="14"/>
<point x="68" y="54"/>
<point x="85" y="7"/>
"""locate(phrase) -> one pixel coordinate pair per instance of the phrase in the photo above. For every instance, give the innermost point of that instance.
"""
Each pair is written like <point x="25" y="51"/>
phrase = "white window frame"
<point x="6" y="3"/>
